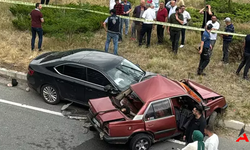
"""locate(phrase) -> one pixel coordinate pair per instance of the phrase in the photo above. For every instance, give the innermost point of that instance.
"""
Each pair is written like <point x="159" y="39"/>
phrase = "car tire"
<point x="213" y="119"/>
<point x="50" y="94"/>
<point x="140" y="142"/>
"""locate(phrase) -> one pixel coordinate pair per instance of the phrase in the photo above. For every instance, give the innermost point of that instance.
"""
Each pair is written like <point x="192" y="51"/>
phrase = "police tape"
<point x="124" y="17"/>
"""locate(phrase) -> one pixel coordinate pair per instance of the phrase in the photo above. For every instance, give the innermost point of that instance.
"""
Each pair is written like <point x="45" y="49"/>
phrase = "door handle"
<point x="150" y="125"/>
<point x="89" y="89"/>
<point x="60" y="81"/>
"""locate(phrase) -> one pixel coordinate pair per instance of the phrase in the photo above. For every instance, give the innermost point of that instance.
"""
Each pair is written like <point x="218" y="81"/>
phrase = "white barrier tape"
<point x="125" y="17"/>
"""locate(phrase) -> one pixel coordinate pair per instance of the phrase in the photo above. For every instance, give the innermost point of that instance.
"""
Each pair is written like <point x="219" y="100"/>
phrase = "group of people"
<point x="151" y="10"/>
<point x="171" y="13"/>
<point x="197" y="130"/>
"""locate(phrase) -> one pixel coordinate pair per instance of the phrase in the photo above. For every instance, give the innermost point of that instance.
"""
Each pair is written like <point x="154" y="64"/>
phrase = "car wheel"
<point x="140" y="142"/>
<point x="213" y="119"/>
<point x="50" y="94"/>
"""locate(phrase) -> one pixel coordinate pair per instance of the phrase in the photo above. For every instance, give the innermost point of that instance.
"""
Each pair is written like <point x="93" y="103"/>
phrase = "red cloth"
<point x="36" y="19"/>
<point x="119" y="9"/>
<point x="161" y="15"/>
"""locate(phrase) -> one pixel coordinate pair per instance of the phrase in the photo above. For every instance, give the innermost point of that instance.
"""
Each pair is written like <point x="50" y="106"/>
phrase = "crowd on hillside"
<point x="171" y="11"/>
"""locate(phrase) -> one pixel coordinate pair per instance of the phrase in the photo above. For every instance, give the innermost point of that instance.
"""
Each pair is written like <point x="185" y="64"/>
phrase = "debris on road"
<point x="73" y="112"/>
<point x="13" y="83"/>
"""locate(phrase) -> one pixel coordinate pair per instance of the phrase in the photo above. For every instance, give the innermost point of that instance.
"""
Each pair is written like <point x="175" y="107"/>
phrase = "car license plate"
<point x="96" y="122"/>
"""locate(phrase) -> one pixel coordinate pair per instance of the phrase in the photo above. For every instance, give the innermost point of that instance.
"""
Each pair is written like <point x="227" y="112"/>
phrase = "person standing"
<point x="127" y="9"/>
<point x="172" y="9"/>
<point x="113" y="31"/>
<point x="197" y="123"/>
<point x="119" y="11"/>
<point x="176" y="18"/>
<point x="227" y="39"/>
<point x="204" y="50"/>
<point x="47" y="2"/>
<point x="147" y="26"/>
<point x="138" y="11"/>
<point x="246" y="58"/>
<point x="36" y="26"/>
<point x="186" y="19"/>
<point x="207" y="12"/>
<point x="162" y="16"/>
<point x="213" y="36"/>
<point x="212" y="142"/>
<point x="198" y="143"/>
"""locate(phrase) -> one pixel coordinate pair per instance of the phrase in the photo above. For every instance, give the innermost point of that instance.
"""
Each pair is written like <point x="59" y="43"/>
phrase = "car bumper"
<point x="224" y="107"/>
<point x="104" y="136"/>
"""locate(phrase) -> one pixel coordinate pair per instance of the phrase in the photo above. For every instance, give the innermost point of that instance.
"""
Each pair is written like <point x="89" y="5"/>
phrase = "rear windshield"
<point x="59" y="55"/>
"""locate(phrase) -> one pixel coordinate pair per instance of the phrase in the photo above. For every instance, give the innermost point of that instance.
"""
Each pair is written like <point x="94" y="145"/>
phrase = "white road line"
<point x="31" y="107"/>
<point x="176" y="141"/>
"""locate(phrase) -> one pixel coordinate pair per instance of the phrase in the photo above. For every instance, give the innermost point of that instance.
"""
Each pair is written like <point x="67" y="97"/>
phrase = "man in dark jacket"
<point x="205" y="49"/>
<point x="175" y="18"/>
<point x="137" y="13"/>
<point x="246" y="58"/>
<point x="227" y="39"/>
<point x="197" y="123"/>
<point x="113" y="31"/>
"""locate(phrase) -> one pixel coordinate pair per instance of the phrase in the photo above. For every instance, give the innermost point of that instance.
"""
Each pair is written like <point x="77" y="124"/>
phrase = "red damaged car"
<point x="152" y="110"/>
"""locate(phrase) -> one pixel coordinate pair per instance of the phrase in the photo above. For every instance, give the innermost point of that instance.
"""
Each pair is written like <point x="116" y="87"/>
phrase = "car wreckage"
<point x="152" y="110"/>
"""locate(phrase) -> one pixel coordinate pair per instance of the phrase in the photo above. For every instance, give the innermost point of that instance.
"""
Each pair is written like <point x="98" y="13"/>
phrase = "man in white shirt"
<point x="112" y="4"/>
<point x="147" y="26"/>
<point x="213" y="36"/>
<point x="172" y="8"/>
<point x="212" y="142"/>
<point x="187" y="18"/>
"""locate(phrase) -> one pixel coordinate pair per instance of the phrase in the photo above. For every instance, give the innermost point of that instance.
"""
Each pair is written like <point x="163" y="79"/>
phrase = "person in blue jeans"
<point x="36" y="26"/>
<point x="246" y="58"/>
<point x="127" y="9"/>
<point x="113" y="30"/>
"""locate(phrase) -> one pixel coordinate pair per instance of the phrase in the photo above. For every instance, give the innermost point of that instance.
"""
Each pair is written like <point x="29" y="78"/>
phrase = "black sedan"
<point x="81" y="74"/>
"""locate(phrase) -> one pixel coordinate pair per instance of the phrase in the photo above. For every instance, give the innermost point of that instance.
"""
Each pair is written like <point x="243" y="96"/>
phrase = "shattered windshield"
<point x="125" y="74"/>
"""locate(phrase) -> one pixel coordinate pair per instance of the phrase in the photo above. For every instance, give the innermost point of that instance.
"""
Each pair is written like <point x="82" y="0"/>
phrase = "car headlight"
<point x="96" y="122"/>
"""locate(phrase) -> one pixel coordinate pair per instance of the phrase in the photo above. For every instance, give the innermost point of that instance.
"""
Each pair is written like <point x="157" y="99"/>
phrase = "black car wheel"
<point x="140" y="142"/>
<point x="50" y="94"/>
<point x="213" y="121"/>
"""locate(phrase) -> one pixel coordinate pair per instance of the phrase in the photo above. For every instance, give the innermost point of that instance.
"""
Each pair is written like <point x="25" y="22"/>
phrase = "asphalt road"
<point x="23" y="128"/>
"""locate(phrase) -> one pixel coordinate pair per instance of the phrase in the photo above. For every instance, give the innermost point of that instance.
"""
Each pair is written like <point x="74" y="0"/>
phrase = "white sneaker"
<point x="181" y="46"/>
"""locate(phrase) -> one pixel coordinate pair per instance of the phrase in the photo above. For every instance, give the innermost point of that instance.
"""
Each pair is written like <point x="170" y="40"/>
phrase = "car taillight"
<point x="31" y="72"/>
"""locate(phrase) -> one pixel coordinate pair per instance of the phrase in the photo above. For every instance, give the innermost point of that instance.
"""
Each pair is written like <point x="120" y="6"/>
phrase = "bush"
<point x="236" y="49"/>
<point x="238" y="12"/>
<point x="59" y="22"/>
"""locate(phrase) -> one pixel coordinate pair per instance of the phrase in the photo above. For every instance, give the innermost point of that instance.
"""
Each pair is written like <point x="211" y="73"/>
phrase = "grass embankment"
<point x="15" y="54"/>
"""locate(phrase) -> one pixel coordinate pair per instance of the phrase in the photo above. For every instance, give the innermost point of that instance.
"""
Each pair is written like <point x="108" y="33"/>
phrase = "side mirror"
<point x="137" y="65"/>
<point x="107" y="88"/>
<point x="110" y="89"/>
<point x="206" y="108"/>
